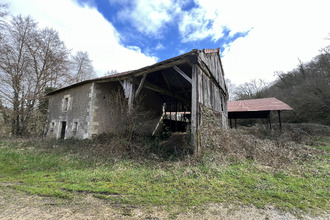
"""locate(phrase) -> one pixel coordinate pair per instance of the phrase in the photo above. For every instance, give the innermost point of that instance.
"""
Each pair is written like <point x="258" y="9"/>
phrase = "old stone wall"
<point x="70" y="108"/>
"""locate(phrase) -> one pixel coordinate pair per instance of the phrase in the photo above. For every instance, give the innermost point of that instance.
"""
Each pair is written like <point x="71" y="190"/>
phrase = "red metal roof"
<point x="264" y="104"/>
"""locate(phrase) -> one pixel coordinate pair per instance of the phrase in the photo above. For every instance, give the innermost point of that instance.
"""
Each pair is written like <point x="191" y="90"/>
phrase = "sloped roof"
<point x="156" y="66"/>
<point x="255" y="105"/>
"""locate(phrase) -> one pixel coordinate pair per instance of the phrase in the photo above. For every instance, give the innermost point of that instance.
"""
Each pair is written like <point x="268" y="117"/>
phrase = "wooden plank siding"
<point x="208" y="90"/>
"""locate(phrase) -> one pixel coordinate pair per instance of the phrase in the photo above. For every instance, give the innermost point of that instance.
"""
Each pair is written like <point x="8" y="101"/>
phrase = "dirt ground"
<point x="19" y="205"/>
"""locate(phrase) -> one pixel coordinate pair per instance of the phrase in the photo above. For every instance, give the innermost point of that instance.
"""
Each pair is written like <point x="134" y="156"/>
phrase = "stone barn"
<point x="168" y="95"/>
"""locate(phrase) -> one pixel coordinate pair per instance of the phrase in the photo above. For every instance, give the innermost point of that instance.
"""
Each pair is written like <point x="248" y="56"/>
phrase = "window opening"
<point x="52" y="125"/>
<point x="66" y="104"/>
<point x="75" y="127"/>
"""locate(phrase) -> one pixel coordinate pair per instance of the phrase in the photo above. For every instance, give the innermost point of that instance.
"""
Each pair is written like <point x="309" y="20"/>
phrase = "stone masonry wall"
<point x="72" y="107"/>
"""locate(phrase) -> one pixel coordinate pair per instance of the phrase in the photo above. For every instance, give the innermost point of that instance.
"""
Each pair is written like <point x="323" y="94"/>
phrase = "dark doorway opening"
<point x="63" y="129"/>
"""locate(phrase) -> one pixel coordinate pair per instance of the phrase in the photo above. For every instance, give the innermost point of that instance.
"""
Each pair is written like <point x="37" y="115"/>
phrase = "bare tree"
<point x="48" y="68"/>
<point x="50" y="59"/>
<point x="3" y="10"/>
<point x="82" y="67"/>
<point x="231" y="89"/>
<point x="110" y="72"/>
<point x="250" y="89"/>
<point x="14" y="60"/>
<point x="306" y="90"/>
<point x="30" y="60"/>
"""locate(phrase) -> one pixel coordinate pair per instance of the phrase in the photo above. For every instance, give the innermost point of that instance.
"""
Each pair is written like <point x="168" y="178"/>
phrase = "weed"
<point x="289" y="176"/>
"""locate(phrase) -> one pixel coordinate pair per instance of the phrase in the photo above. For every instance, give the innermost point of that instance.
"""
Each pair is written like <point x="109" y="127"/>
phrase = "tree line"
<point x="306" y="89"/>
<point x="33" y="61"/>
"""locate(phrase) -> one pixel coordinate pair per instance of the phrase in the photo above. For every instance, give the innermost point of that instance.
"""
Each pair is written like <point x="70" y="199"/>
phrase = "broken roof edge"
<point x="186" y="57"/>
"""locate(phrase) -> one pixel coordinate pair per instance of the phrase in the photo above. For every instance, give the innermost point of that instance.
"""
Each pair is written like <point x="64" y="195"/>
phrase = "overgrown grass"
<point x="322" y="143"/>
<point x="67" y="169"/>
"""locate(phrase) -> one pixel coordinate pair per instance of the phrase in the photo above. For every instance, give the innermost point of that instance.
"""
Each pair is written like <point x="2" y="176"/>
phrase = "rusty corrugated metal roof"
<point x="264" y="104"/>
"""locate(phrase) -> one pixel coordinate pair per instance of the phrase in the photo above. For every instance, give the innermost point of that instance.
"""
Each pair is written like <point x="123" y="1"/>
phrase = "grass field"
<point x="66" y="169"/>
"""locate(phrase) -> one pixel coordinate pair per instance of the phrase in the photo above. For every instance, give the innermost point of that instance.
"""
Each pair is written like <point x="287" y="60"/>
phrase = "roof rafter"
<point x="163" y="91"/>
<point x="183" y="74"/>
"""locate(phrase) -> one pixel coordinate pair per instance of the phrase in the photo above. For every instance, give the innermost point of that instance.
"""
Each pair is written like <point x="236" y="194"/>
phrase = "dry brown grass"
<point x="229" y="145"/>
<point x="272" y="148"/>
<point x="267" y="147"/>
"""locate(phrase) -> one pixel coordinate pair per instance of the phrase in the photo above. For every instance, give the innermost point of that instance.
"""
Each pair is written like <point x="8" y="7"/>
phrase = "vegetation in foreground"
<point x="106" y="169"/>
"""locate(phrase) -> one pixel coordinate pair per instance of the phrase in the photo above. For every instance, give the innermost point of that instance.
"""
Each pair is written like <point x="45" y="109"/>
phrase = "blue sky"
<point x="158" y="34"/>
<point x="256" y="37"/>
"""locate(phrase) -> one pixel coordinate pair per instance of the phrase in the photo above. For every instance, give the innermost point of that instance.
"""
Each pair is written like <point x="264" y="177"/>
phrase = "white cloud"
<point x="159" y="46"/>
<point x="84" y="28"/>
<point x="195" y="25"/>
<point x="211" y="18"/>
<point x="280" y="33"/>
<point x="284" y="32"/>
<point x="150" y="17"/>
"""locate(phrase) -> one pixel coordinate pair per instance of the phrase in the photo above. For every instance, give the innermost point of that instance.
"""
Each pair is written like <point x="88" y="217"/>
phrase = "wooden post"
<point x="129" y="91"/>
<point x="176" y="116"/>
<point x="171" y="117"/>
<point x="194" y="109"/>
<point x="279" y="119"/>
<point x="128" y="87"/>
<point x="140" y="85"/>
<point x="270" y="121"/>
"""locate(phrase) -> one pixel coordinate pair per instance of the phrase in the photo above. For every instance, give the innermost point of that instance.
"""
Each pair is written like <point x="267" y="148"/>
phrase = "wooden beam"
<point x="159" y="89"/>
<point x="183" y="74"/>
<point x="160" y="120"/>
<point x="140" y="85"/>
<point x="183" y="89"/>
<point x="165" y="64"/>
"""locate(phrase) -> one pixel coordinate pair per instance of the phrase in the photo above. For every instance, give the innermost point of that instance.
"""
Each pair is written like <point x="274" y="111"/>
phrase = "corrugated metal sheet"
<point x="115" y="75"/>
<point x="129" y="73"/>
<point x="264" y="104"/>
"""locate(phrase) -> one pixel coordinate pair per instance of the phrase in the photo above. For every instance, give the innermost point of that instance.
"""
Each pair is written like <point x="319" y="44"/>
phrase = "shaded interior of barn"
<point x="172" y="86"/>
